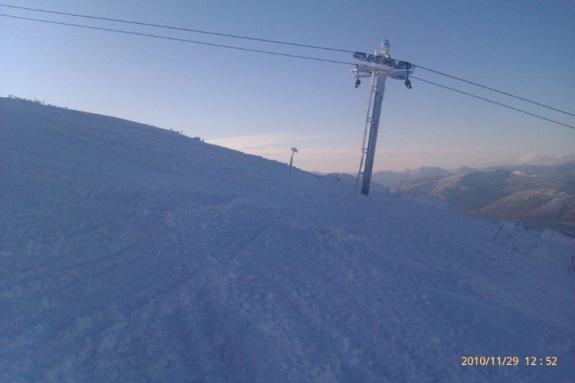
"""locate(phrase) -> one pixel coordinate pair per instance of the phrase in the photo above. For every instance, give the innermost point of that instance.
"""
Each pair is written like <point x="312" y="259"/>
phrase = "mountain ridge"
<point x="540" y="196"/>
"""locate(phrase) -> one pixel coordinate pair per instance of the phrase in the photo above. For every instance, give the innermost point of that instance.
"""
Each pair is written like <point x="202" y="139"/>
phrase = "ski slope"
<point x="130" y="253"/>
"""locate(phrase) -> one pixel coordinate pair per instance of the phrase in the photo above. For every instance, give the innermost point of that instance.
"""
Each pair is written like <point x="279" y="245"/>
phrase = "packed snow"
<point x="135" y="254"/>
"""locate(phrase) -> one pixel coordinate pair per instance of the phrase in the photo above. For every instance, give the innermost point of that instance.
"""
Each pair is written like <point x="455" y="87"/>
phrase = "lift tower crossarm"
<point x="380" y="66"/>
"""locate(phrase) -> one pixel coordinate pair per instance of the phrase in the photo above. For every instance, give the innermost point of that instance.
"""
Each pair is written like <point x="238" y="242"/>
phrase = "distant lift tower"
<point x="380" y="66"/>
<point x="293" y="151"/>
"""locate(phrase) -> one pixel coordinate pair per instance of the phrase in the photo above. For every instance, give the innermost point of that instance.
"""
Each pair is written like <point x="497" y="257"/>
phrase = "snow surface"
<point x="135" y="254"/>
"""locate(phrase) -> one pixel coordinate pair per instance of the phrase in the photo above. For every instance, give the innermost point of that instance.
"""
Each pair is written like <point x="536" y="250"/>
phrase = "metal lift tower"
<point x="380" y="66"/>
<point x="293" y="151"/>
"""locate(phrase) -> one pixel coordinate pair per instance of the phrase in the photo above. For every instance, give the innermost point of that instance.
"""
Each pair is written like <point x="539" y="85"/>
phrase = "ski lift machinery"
<point x="380" y="66"/>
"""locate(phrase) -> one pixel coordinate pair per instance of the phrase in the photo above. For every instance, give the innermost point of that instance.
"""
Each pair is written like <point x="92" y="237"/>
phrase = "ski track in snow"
<point x="133" y="254"/>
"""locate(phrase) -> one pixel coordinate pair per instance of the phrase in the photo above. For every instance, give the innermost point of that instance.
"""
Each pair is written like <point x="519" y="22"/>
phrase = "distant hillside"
<point x="421" y="175"/>
<point x="540" y="196"/>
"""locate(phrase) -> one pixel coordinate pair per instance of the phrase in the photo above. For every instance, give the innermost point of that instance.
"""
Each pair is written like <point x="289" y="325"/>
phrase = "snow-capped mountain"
<point x="541" y="196"/>
<point x="131" y="253"/>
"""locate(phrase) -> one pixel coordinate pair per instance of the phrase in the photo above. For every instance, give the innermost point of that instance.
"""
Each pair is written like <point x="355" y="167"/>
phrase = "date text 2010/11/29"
<point x="509" y="361"/>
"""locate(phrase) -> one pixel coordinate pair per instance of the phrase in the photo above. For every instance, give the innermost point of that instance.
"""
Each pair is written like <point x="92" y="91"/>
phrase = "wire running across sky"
<point x="281" y="42"/>
<point x="163" y="37"/>
<point x="177" y="28"/>
<point x="495" y="90"/>
<point x="492" y="102"/>
<point x="275" y="53"/>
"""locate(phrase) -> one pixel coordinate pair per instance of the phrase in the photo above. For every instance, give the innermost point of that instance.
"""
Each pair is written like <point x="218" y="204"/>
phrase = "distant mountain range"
<point x="540" y="196"/>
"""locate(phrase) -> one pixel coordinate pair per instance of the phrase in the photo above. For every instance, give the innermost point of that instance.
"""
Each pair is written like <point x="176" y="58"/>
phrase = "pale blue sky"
<point x="264" y="104"/>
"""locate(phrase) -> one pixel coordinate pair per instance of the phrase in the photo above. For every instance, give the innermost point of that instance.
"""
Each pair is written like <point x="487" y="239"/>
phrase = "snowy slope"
<point x="134" y="254"/>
